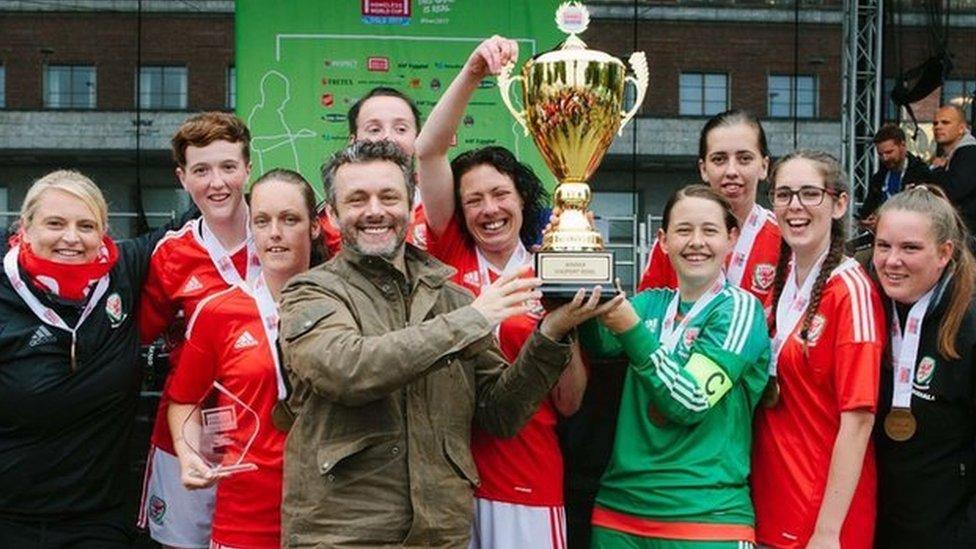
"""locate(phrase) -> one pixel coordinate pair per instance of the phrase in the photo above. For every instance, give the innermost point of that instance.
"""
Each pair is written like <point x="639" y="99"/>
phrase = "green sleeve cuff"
<point x="638" y="343"/>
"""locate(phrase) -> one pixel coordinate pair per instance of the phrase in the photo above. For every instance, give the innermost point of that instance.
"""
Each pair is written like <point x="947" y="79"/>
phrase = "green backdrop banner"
<point x="302" y="63"/>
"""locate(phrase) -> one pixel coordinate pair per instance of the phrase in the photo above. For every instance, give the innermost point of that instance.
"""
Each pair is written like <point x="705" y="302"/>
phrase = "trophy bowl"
<point x="573" y="98"/>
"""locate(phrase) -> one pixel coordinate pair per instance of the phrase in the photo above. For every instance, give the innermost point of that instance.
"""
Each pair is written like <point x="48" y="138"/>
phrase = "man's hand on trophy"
<point x="490" y="56"/>
<point x="562" y="320"/>
<point x="510" y="295"/>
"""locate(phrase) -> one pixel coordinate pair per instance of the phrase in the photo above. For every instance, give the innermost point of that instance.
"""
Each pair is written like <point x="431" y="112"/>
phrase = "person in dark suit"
<point x="899" y="168"/>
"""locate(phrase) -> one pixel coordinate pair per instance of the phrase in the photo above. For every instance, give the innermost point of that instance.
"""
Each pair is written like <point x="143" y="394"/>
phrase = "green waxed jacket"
<point x="392" y="371"/>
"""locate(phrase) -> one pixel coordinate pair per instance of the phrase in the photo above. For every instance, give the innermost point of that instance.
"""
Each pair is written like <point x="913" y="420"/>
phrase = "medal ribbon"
<point x="904" y="347"/>
<point x="222" y="260"/>
<point x="47" y="314"/>
<point x="671" y="333"/>
<point x="268" y="309"/>
<point x="790" y="308"/>
<point x="520" y="256"/>
<point x="743" y="247"/>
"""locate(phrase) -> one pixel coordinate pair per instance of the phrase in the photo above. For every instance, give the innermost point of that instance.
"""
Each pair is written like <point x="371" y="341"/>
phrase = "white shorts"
<point x="176" y="517"/>
<point x="499" y="525"/>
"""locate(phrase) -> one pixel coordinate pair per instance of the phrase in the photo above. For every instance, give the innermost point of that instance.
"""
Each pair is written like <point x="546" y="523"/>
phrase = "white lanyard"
<point x="790" y="307"/>
<point x="671" y="333"/>
<point x="905" y="349"/>
<point x="743" y="247"/>
<point x="46" y="314"/>
<point x="222" y="260"/>
<point x="268" y="309"/>
<point x="520" y="256"/>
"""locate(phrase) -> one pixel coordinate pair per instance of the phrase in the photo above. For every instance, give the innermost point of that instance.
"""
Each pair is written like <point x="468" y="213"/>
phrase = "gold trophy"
<point x="573" y="98"/>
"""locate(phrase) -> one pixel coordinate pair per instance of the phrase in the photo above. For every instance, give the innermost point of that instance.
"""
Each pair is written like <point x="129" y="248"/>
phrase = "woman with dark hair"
<point x="813" y="473"/>
<point x="926" y="450"/>
<point x="484" y="213"/>
<point x="732" y="159"/>
<point x="231" y="344"/>
<point x="678" y="475"/>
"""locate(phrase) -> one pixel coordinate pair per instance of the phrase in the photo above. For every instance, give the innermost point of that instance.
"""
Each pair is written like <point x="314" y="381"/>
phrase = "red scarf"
<point x="71" y="281"/>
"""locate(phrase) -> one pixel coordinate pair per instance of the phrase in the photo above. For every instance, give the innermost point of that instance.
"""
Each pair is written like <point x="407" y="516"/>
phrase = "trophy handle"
<point x="638" y="62"/>
<point x="505" y="80"/>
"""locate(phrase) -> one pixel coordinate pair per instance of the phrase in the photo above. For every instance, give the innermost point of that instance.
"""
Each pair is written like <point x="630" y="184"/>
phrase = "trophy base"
<point x="564" y="273"/>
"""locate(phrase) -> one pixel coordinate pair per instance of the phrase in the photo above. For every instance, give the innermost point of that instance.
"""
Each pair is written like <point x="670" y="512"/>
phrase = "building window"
<point x="3" y="87"/>
<point x="69" y="87"/>
<point x="703" y="94"/>
<point x="959" y="92"/>
<point x="162" y="88"/>
<point x="791" y="96"/>
<point x="231" y="88"/>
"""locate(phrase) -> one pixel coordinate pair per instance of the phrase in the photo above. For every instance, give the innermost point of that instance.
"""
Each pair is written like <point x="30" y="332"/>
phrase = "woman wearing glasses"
<point x="813" y="471"/>
<point x="926" y="456"/>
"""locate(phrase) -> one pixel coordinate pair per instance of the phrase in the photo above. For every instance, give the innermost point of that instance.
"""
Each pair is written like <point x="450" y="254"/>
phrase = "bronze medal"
<point x="770" y="396"/>
<point x="900" y="424"/>
<point x="282" y="416"/>
<point x="656" y="417"/>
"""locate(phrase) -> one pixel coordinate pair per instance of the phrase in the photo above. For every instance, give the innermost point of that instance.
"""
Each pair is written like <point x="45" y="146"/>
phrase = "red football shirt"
<point x="794" y="440"/>
<point x="526" y="469"/>
<point x="226" y="342"/>
<point x="416" y="232"/>
<point x="757" y="274"/>
<point x="181" y="274"/>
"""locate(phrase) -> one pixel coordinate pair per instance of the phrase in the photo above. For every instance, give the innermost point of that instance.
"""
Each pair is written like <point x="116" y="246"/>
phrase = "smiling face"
<point x="492" y="210"/>
<point x="387" y="117"/>
<point x="214" y="176"/>
<point x="63" y="229"/>
<point x="696" y="240"/>
<point x="734" y="165"/>
<point x="907" y="257"/>
<point x="371" y="209"/>
<point x="806" y="227"/>
<point x="283" y="230"/>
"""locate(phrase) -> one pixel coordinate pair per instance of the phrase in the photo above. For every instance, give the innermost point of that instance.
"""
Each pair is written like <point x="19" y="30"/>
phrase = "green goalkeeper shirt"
<point x="684" y="433"/>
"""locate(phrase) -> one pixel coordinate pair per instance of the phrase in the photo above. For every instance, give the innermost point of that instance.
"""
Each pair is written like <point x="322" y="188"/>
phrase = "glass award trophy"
<point x="221" y="429"/>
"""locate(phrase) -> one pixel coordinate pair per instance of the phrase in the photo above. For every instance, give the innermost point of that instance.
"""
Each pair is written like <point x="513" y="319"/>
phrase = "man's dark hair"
<point x="362" y="152"/>
<point x="527" y="185"/>
<point x="380" y="91"/>
<point x="890" y="132"/>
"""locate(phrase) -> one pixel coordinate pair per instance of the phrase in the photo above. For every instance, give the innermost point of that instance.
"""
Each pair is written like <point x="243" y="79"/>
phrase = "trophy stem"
<point x="573" y="232"/>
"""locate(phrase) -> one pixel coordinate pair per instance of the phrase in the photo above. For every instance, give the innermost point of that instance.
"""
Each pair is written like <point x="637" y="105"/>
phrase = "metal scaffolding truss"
<point x="861" y="69"/>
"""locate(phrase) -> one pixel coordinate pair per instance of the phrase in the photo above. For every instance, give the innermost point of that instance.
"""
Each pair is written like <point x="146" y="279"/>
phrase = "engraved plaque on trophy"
<point x="573" y="99"/>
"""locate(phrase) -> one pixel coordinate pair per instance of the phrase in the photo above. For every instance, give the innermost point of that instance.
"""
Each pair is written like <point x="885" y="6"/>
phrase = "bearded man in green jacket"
<point x="394" y="362"/>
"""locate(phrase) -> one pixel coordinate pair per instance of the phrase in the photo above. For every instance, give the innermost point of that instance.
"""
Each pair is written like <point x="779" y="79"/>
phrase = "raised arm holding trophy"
<point x="572" y="98"/>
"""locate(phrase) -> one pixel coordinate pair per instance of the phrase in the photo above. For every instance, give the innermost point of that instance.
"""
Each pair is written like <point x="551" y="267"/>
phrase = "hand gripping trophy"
<point x="572" y="98"/>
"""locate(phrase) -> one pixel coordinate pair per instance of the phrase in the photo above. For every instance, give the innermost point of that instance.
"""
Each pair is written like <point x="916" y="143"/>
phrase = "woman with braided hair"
<point x="813" y="478"/>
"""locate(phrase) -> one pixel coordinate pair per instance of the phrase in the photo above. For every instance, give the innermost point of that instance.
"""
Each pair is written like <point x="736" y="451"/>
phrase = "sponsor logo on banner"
<point x="113" y="308"/>
<point x="327" y="100"/>
<point x="382" y="8"/>
<point x="335" y="119"/>
<point x="378" y="64"/>
<point x="157" y="509"/>
<point x="763" y="276"/>
<point x="924" y="372"/>
<point x="337" y="81"/>
<point x="341" y="63"/>
<point x="435" y="84"/>
<point x="468" y="121"/>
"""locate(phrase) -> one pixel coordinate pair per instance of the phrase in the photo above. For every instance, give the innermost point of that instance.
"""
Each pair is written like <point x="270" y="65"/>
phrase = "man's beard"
<point x="388" y="252"/>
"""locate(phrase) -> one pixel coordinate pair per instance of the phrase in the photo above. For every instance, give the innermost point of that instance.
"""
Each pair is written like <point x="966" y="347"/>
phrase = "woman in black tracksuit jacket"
<point x="925" y="443"/>
<point x="66" y="421"/>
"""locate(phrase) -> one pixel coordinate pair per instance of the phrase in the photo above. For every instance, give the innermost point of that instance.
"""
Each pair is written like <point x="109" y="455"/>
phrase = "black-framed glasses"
<point x="808" y="195"/>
